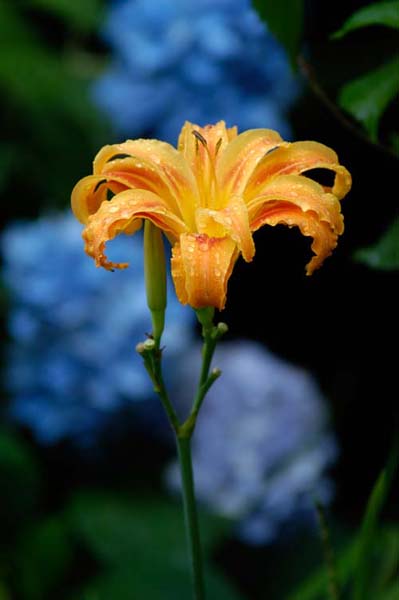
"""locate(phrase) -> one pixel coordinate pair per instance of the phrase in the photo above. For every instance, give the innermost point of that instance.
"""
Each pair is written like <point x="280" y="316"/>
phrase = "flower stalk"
<point x="152" y="358"/>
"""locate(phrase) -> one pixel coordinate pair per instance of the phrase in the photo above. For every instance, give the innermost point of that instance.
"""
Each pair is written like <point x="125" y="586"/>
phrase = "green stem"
<point x="329" y="557"/>
<point x="190" y="516"/>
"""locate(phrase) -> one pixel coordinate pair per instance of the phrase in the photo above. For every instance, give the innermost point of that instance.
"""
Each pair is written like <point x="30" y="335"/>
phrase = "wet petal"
<point x="123" y="214"/>
<point x="303" y="193"/>
<point x="295" y="159"/>
<point x="231" y="221"/>
<point x="87" y="196"/>
<point x="201" y="267"/>
<point x="202" y="147"/>
<point x="241" y="156"/>
<point x="285" y="213"/>
<point x="161" y="163"/>
<point x="216" y="138"/>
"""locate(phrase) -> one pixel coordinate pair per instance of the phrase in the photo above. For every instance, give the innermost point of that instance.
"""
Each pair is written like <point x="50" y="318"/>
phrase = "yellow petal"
<point x="163" y="165"/>
<point x="123" y="214"/>
<point x="231" y="221"/>
<point x="303" y="193"/>
<point x="216" y="137"/>
<point x="201" y="267"/>
<point x="295" y="159"/>
<point x="201" y="148"/>
<point x="285" y="213"/>
<point x="87" y="195"/>
<point x="241" y="156"/>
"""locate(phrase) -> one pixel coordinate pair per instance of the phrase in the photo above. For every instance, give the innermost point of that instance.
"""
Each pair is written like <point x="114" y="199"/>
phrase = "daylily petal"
<point x="305" y="194"/>
<point x="241" y="156"/>
<point x="286" y="213"/>
<point x="87" y="196"/>
<point x="202" y="147"/>
<point x="164" y="165"/>
<point x="231" y="221"/>
<point x="296" y="158"/>
<point x="201" y="267"/>
<point x="123" y="214"/>
<point x="216" y="137"/>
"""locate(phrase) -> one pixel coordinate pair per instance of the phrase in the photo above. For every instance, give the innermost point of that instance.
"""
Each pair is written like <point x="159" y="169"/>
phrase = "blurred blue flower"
<point x="177" y="60"/>
<point x="262" y="444"/>
<point x="71" y="361"/>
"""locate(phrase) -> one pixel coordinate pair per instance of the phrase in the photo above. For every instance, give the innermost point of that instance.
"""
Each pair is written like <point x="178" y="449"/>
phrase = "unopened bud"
<point x="222" y="328"/>
<point x="149" y="344"/>
<point x="155" y="276"/>
<point x="140" y="348"/>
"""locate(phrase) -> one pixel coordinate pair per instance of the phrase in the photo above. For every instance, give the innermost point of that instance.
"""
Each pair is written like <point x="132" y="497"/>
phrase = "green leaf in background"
<point x="81" y="16"/>
<point x="384" y="254"/>
<point x="315" y="585"/>
<point x="141" y="546"/>
<point x="45" y="109"/>
<point x="284" y="19"/>
<point x="367" y="551"/>
<point x="8" y="155"/>
<point x="367" y="97"/>
<point x="383" y="586"/>
<point x="43" y="556"/>
<point x="19" y="481"/>
<point x="380" y="13"/>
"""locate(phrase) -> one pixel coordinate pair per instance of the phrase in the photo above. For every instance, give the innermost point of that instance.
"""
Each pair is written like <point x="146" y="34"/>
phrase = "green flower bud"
<point x="155" y="277"/>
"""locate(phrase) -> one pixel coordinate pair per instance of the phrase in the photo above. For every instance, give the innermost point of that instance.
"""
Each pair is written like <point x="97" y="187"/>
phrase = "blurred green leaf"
<point x="19" y="480"/>
<point x="82" y="16"/>
<point x="367" y="97"/>
<point x="314" y="587"/>
<point x="4" y="595"/>
<point x="385" y="253"/>
<point x="43" y="555"/>
<point x="116" y="528"/>
<point x="380" y="13"/>
<point x="385" y="545"/>
<point x="152" y="581"/>
<point x="45" y="109"/>
<point x="8" y="154"/>
<point x="285" y="20"/>
<point x="365" y="564"/>
<point x="141" y="543"/>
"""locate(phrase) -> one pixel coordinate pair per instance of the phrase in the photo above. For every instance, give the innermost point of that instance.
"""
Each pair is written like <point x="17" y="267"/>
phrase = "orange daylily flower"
<point x="208" y="196"/>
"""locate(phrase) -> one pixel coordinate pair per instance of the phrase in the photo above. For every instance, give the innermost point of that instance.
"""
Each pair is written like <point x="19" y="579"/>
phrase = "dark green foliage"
<point x="384" y="254"/>
<point x="285" y="21"/>
<point x="380" y="13"/>
<point x="49" y="128"/>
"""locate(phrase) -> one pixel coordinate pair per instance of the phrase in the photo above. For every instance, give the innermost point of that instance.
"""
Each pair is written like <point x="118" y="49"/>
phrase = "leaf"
<point x="314" y="587"/>
<point x="384" y="254"/>
<point x="152" y="581"/>
<point x="380" y="13"/>
<point x="82" y="16"/>
<point x="366" y="539"/>
<point x="43" y="556"/>
<point x="285" y="19"/>
<point x="115" y="528"/>
<point x="142" y="547"/>
<point x="367" y="97"/>
<point x="19" y="481"/>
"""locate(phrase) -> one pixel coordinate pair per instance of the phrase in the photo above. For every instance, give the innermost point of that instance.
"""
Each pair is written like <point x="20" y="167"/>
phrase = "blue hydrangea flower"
<point x="203" y="61"/>
<point x="71" y="361"/>
<point x="262" y="443"/>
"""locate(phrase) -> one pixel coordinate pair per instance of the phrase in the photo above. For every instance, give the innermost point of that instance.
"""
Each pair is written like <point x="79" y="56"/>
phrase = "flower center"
<point x="206" y="175"/>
